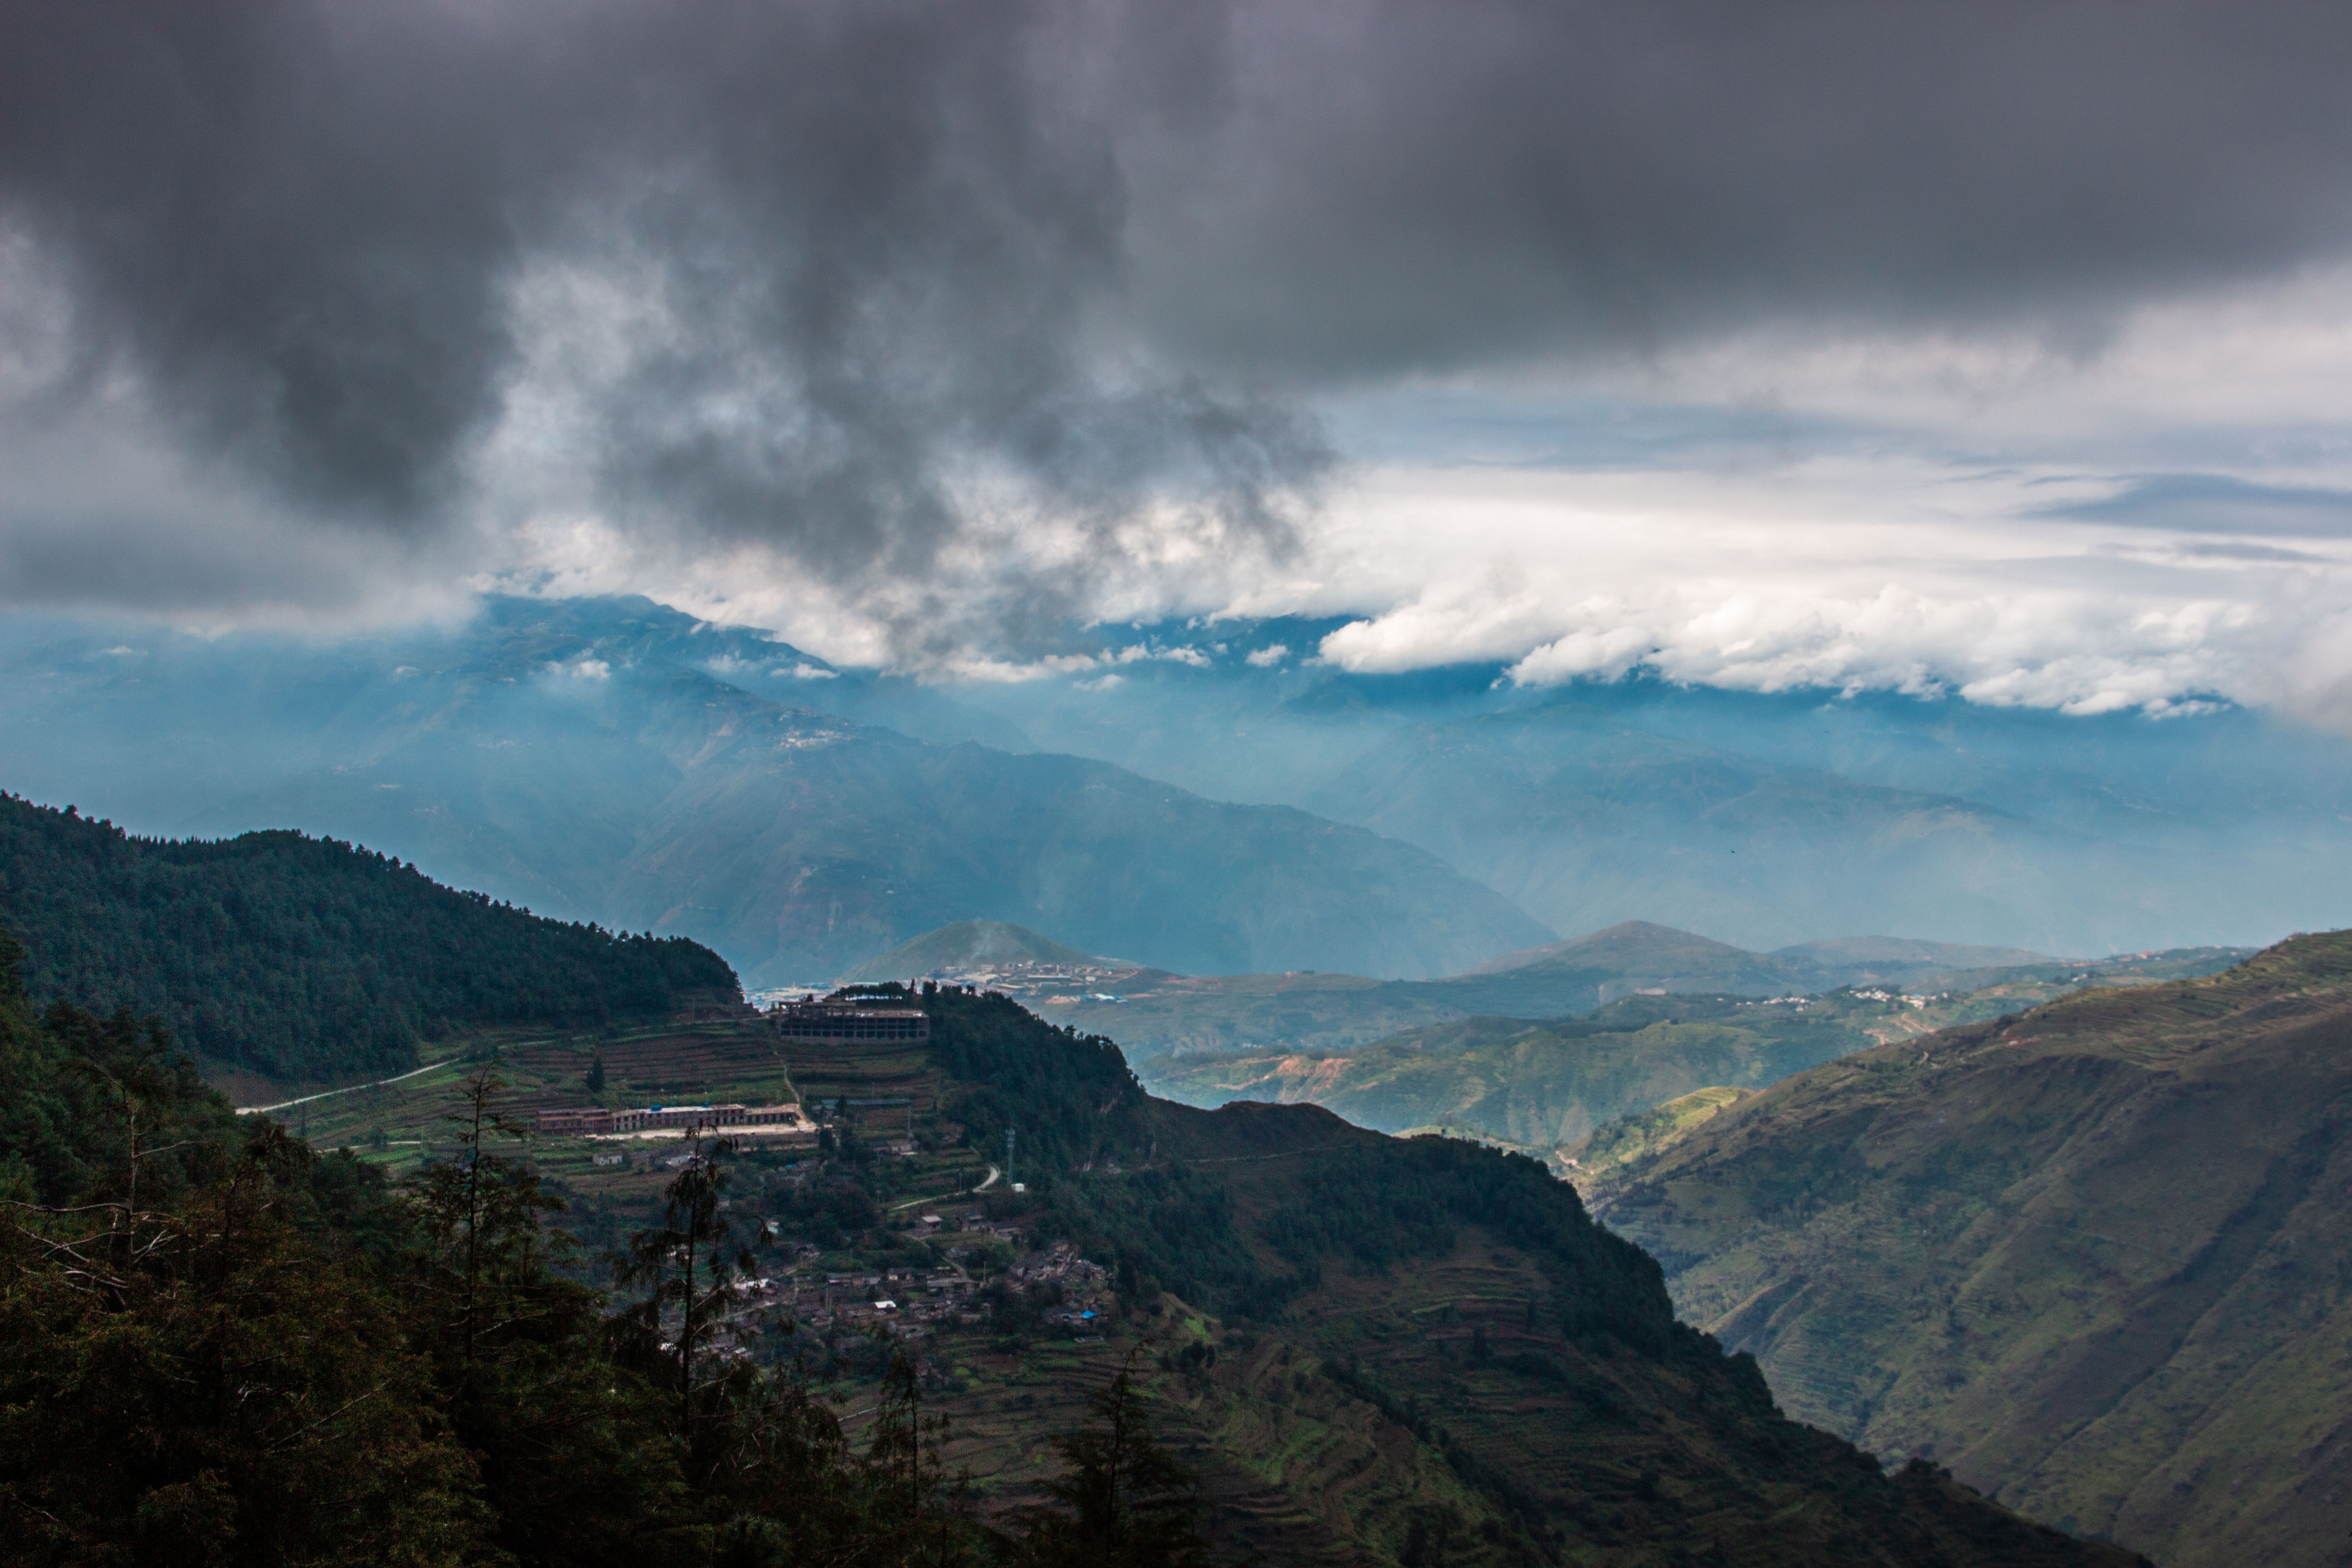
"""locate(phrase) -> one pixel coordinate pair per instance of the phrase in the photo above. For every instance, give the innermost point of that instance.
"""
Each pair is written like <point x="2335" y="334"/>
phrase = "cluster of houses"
<point x="904" y="1303"/>
<point x="1085" y="1285"/>
<point x="908" y="1303"/>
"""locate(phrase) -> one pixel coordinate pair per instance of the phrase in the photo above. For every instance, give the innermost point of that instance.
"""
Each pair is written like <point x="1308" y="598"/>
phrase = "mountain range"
<point x="616" y="762"/>
<point x="2088" y="1255"/>
<point x="556" y="754"/>
<point x="1761" y="818"/>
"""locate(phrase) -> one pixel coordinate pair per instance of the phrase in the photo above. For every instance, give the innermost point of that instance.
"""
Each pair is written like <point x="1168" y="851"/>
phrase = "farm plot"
<point x="862" y="1070"/>
<point x="730" y="1060"/>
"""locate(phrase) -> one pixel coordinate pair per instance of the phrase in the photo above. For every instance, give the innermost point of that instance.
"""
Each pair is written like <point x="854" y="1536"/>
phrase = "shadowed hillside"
<point x="1386" y="1339"/>
<point x="2090" y="1256"/>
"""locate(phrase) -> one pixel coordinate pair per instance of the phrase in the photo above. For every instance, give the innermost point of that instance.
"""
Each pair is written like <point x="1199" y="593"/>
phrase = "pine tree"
<point x="1125" y="1501"/>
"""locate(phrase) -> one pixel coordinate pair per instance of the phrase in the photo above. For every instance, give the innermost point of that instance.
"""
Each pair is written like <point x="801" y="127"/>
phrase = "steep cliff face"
<point x="2091" y="1256"/>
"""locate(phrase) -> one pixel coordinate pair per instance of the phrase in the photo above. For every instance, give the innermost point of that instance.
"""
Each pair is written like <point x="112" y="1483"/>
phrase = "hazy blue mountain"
<point x="600" y="760"/>
<point x="1757" y="818"/>
<point x="1907" y="954"/>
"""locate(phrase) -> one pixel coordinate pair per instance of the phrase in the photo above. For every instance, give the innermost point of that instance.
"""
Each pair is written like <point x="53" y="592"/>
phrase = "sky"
<point x="1993" y="348"/>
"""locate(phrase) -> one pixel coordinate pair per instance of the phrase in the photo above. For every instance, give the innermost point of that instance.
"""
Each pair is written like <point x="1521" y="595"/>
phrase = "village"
<point x="1053" y="1288"/>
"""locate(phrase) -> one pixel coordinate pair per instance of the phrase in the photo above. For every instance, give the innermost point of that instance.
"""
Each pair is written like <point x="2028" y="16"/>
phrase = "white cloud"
<point x="1269" y="655"/>
<point x="1880" y="574"/>
<point x="1139" y="653"/>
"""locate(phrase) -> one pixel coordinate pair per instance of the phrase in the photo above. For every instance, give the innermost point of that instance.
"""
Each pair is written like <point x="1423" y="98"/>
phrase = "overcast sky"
<point x="1999" y="348"/>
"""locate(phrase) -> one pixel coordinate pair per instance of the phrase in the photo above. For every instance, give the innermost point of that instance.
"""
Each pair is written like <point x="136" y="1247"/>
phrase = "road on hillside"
<point x="353" y="1089"/>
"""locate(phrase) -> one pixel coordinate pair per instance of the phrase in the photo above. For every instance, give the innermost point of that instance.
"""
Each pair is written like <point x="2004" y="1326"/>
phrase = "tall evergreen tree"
<point x="1124" y="1502"/>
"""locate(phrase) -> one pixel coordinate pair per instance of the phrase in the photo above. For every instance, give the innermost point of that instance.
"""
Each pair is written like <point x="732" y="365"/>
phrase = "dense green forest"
<point x="305" y="957"/>
<point x="219" y="1346"/>
<point x="1069" y="1096"/>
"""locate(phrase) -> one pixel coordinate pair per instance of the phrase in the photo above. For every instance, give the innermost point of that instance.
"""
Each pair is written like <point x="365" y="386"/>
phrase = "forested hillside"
<point x="219" y="1347"/>
<point x="304" y="957"/>
<point x="2091" y="1256"/>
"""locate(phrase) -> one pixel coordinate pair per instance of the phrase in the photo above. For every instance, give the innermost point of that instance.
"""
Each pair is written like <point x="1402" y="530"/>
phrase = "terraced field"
<point x="861" y="1070"/>
<point x="398" y="1124"/>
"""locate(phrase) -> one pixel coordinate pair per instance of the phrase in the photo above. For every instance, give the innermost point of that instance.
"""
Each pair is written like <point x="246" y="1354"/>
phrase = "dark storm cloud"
<point x="878" y="241"/>
<point x="1403" y="186"/>
<point x="888" y="248"/>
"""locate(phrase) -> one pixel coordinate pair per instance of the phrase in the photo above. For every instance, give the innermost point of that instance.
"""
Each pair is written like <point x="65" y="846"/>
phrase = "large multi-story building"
<point x="840" y="1021"/>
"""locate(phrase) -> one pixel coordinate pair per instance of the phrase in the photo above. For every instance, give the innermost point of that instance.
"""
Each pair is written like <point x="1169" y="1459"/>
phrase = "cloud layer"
<point x="1836" y="342"/>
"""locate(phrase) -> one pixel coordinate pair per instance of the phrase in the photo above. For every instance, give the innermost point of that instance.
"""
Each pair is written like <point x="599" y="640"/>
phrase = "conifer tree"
<point x="1124" y="1502"/>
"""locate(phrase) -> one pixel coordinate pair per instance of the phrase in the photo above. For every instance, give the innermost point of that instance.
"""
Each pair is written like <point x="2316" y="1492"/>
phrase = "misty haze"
<point x="798" y="783"/>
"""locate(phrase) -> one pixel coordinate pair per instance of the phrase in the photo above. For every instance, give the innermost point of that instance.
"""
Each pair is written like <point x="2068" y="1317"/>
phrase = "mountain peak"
<point x="1627" y="939"/>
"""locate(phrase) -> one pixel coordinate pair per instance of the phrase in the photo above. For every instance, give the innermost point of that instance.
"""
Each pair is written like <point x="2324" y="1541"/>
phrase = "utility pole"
<point x="1008" y="1156"/>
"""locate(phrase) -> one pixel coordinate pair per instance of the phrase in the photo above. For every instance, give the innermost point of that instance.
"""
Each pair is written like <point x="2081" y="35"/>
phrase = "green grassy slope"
<point x="1543" y="1086"/>
<point x="304" y="958"/>
<point x="2092" y="1256"/>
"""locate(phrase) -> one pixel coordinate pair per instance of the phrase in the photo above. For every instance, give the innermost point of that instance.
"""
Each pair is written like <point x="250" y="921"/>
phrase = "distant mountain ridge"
<point x="1642" y="947"/>
<point x="1762" y="818"/>
<point x="1539" y="1086"/>
<point x="2091" y="1256"/>
<point x="967" y="944"/>
<point x="1320" y="1012"/>
<point x="1858" y="951"/>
